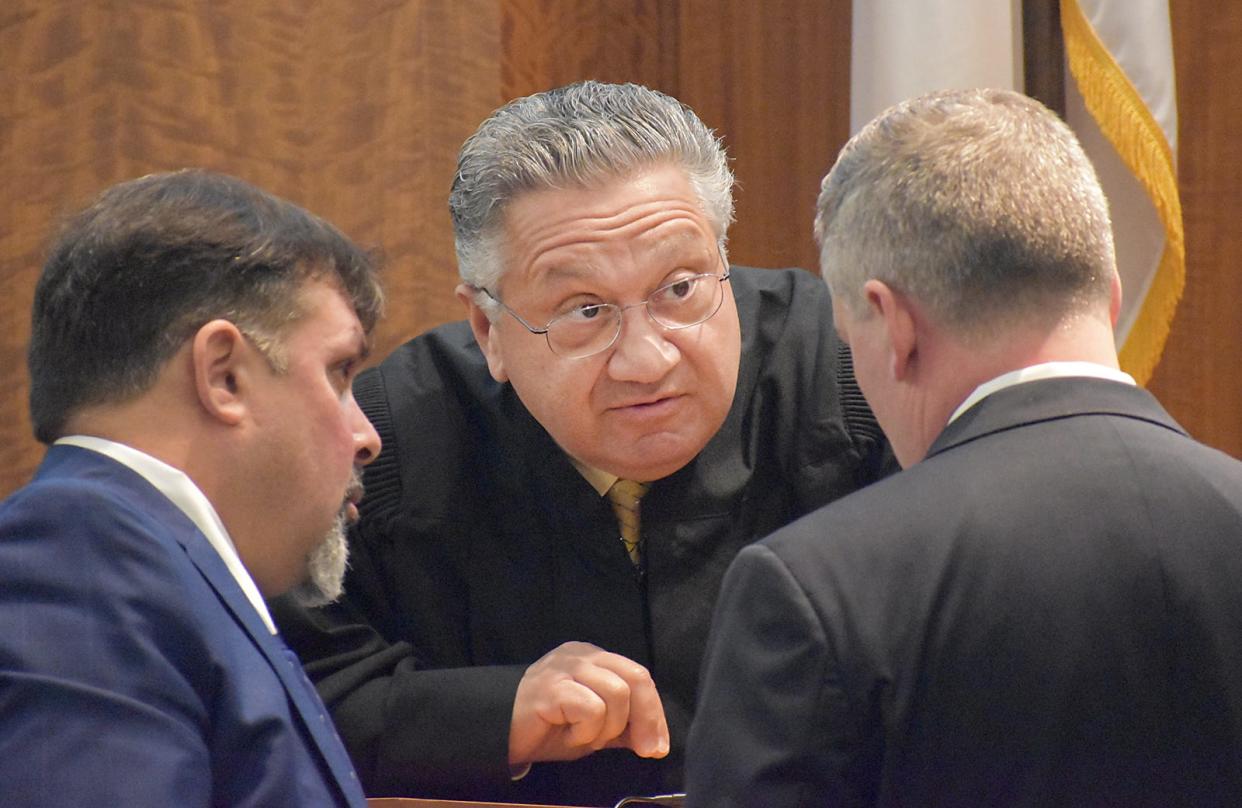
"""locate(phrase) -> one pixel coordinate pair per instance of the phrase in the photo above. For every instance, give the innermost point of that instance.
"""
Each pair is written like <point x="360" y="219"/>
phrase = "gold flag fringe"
<point x="1128" y="124"/>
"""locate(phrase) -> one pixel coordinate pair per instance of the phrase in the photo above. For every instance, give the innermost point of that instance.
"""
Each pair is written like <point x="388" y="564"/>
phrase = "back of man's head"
<point x="978" y="204"/>
<point x="576" y="136"/>
<point x="135" y="274"/>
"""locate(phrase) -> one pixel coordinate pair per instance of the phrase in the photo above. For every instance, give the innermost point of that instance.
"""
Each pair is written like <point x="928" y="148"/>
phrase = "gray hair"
<point x="979" y="204"/>
<point x="575" y="137"/>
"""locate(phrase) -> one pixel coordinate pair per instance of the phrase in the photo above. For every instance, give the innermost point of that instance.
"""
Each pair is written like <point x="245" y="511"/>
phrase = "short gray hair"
<point x="979" y="204"/>
<point x="574" y="137"/>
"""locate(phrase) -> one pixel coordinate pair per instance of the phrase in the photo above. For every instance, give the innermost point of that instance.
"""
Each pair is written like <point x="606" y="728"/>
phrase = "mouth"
<point x="353" y="496"/>
<point x="652" y="405"/>
<point x="647" y="401"/>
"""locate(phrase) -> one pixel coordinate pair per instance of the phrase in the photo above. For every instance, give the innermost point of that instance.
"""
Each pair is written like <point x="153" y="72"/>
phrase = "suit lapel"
<point x="1048" y="400"/>
<point x="74" y="461"/>
<point x="301" y="692"/>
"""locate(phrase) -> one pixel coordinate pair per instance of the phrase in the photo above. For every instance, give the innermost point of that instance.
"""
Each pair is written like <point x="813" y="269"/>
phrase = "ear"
<point x="1114" y="303"/>
<point x="483" y="334"/>
<point x="898" y="321"/>
<point x="220" y="356"/>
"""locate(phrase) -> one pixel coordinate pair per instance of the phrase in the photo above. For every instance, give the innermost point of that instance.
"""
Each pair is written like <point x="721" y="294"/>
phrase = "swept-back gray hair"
<point x="979" y="204"/>
<point x="574" y="137"/>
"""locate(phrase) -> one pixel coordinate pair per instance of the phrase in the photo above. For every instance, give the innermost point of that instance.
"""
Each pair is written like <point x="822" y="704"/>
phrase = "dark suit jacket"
<point x="481" y="548"/>
<point x="133" y="671"/>
<point x="1046" y="611"/>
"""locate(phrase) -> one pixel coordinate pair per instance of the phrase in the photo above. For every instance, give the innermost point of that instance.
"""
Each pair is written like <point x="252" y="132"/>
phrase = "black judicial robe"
<point x="481" y="548"/>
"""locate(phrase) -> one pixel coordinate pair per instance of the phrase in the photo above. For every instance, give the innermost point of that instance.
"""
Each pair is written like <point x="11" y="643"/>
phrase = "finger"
<point x="581" y="712"/>
<point x="613" y="691"/>
<point x="603" y="673"/>
<point x="646" y="729"/>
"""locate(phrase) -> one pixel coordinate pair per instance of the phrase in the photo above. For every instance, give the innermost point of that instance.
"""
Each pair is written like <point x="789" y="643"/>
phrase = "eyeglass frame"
<point x="621" y="310"/>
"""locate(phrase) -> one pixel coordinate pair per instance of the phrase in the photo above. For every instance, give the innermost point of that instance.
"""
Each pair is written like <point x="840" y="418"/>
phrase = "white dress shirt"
<point x="1047" y="370"/>
<point x="182" y="492"/>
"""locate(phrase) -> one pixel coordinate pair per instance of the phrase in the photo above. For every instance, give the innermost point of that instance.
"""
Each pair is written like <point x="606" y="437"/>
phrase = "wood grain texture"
<point x="773" y="79"/>
<point x="547" y="43"/>
<point x="1199" y="378"/>
<point x="356" y="111"/>
<point x="353" y="110"/>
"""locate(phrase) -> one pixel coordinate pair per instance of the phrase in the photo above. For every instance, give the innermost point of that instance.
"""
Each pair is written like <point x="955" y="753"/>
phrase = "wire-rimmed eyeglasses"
<point x="587" y="330"/>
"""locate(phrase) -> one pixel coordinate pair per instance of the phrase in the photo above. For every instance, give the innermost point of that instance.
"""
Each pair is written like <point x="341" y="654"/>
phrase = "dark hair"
<point x="138" y="272"/>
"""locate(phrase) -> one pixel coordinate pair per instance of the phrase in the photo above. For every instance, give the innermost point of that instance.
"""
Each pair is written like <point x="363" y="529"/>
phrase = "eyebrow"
<point x="674" y="246"/>
<point x="559" y="271"/>
<point x="360" y="344"/>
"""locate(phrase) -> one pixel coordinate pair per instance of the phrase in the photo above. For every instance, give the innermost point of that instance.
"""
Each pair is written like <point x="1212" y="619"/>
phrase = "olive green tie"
<point x="625" y="495"/>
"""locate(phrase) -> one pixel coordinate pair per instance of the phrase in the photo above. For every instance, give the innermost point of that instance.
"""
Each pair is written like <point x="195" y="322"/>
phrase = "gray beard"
<point x="325" y="569"/>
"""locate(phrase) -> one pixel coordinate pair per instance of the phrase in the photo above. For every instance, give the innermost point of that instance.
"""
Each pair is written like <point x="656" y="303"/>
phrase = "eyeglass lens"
<point x="683" y="303"/>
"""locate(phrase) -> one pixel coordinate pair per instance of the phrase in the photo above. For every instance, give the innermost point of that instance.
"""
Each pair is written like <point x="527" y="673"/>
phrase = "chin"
<point x="324" y="581"/>
<point x="652" y="467"/>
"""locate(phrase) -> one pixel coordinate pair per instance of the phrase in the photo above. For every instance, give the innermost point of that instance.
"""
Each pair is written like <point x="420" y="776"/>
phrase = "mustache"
<point x="354" y="492"/>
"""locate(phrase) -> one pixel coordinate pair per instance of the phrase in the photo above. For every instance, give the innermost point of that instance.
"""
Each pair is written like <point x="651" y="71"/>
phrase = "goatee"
<point x="325" y="569"/>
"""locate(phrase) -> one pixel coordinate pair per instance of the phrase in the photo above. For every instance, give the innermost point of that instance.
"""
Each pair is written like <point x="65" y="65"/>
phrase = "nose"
<point x="643" y="352"/>
<point x="367" y="443"/>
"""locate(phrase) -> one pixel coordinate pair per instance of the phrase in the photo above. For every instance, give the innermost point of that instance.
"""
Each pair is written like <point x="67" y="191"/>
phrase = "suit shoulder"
<point x="82" y="563"/>
<point x="92" y="539"/>
<point x="863" y="521"/>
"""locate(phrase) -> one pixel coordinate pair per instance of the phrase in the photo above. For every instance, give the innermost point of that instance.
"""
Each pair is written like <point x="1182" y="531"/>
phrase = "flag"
<point x="901" y="49"/>
<point x="1122" y="102"/>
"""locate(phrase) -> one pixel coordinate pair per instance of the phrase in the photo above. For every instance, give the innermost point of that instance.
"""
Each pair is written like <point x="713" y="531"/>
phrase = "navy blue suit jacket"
<point x="1047" y="610"/>
<point x="133" y="671"/>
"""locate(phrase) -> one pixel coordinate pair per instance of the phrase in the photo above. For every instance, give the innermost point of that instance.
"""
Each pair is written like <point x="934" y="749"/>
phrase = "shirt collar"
<point x="601" y="481"/>
<point x="1046" y="370"/>
<point x="182" y="492"/>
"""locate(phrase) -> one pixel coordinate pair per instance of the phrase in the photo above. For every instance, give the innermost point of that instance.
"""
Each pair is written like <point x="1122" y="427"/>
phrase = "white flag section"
<point x="1120" y="99"/>
<point x="1122" y="102"/>
<point x="901" y="49"/>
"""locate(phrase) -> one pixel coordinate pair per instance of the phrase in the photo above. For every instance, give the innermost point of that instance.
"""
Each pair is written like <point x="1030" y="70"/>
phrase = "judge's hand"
<point x="578" y="699"/>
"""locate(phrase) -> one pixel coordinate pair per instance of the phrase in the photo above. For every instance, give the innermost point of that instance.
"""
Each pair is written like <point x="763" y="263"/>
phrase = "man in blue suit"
<point x="1043" y="608"/>
<point x="193" y="344"/>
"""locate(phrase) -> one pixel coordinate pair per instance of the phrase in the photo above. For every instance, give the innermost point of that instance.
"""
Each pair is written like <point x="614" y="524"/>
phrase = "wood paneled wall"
<point x="353" y="110"/>
<point x="1199" y="378"/>
<point x="771" y="78"/>
<point x="356" y="111"/>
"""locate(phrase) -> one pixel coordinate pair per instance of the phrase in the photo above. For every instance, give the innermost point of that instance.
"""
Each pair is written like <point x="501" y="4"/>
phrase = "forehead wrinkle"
<point x="600" y="226"/>
<point x="639" y="228"/>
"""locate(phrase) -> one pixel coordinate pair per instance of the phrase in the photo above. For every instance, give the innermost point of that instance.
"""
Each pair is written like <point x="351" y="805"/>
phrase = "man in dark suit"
<point x="193" y="346"/>
<point x="1043" y="608"/>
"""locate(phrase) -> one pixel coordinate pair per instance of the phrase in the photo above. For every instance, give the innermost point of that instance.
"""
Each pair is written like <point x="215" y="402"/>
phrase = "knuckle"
<point x="614" y="690"/>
